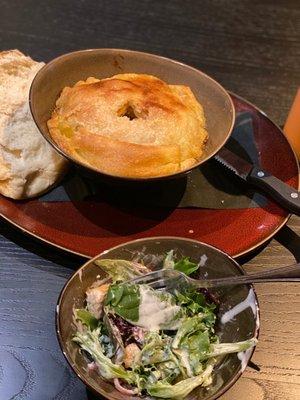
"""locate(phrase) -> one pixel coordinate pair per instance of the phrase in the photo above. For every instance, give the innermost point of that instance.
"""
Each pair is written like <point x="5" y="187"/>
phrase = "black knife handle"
<point x="283" y="194"/>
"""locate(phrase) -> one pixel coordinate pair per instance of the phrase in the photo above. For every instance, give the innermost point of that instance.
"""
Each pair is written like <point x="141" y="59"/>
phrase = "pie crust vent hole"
<point x="127" y="111"/>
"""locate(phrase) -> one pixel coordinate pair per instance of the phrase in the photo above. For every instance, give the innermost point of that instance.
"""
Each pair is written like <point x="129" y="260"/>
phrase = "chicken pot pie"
<point x="130" y="125"/>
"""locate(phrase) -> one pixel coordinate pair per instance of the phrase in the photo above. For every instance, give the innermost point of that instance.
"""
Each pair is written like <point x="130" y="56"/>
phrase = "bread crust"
<point x="28" y="164"/>
<point x="130" y="125"/>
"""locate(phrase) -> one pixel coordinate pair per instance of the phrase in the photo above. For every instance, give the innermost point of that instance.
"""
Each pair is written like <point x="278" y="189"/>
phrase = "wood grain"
<point x="252" y="48"/>
<point x="278" y="350"/>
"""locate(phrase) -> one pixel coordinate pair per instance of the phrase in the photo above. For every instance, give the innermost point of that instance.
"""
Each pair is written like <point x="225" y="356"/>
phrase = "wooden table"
<point x="253" y="49"/>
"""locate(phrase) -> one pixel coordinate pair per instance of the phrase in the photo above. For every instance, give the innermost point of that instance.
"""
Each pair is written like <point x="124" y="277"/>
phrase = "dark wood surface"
<point x="253" y="49"/>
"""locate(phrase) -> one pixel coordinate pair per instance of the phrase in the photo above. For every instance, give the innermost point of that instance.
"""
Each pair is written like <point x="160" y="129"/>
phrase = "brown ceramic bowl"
<point x="69" y="68"/>
<point x="218" y="264"/>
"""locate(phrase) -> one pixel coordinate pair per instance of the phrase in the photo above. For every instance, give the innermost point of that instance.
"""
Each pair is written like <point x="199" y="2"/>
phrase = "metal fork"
<point x="168" y="279"/>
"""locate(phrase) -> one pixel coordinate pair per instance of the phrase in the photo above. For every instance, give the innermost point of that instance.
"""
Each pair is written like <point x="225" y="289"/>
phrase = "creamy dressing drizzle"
<point x="153" y="312"/>
<point x="248" y="302"/>
<point x="186" y="362"/>
<point x="243" y="356"/>
<point x="203" y="260"/>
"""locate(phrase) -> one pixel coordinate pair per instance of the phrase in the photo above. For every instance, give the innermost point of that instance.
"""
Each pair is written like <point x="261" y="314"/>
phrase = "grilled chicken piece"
<point x="132" y="355"/>
<point x="94" y="298"/>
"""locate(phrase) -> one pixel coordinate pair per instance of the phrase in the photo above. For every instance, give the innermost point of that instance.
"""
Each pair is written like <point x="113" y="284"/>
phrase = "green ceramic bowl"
<point x="218" y="264"/>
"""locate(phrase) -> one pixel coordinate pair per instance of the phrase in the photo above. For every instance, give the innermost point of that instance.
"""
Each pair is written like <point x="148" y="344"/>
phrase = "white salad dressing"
<point x="203" y="260"/>
<point x="184" y="356"/>
<point x="243" y="356"/>
<point x="154" y="312"/>
<point x="248" y="302"/>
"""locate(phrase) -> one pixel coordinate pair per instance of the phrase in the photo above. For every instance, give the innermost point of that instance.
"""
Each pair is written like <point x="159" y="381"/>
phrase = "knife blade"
<point x="285" y="195"/>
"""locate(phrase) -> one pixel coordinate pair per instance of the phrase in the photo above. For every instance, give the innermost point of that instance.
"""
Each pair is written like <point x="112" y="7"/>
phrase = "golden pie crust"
<point x="130" y="125"/>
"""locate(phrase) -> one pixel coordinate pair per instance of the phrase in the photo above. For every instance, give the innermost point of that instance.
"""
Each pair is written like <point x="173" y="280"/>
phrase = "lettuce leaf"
<point x="157" y="349"/>
<point x="89" y="341"/>
<point x="191" y="344"/>
<point x="114" y="345"/>
<point x="169" y="260"/>
<point x="195" y="303"/>
<point x="122" y="270"/>
<point x="86" y="318"/>
<point x="219" y="349"/>
<point x="168" y="370"/>
<point x="186" y="266"/>
<point x="187" y="328"/>
<point x="165" y="390"/>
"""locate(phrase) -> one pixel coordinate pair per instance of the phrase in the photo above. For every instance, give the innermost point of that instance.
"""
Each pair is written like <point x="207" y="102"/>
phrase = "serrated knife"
<point x="286" y="196"/>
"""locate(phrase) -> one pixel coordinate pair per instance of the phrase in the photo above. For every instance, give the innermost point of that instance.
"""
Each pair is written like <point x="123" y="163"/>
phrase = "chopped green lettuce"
<point x="169" y="370"/>
<point x="186" y="266"/>
<point x="122" y="270"/>
<point x="194" y="303"/>
<point x="192" y="345"/>
<point x="86" y="318"/>
<point x="169" y="260"/>
<point x="219" y="349"/>
<point x="187" y="328"/>
<point x="179" y="390"/>
<point x="157" y="348"/>
<point x="89" y="341"/>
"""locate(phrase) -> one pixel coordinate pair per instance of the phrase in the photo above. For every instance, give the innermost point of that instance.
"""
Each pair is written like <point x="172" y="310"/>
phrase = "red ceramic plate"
<point x="89" y="227"/>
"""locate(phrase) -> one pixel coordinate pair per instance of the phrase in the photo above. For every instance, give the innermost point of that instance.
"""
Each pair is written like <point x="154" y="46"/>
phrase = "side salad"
<point x="146" y="341"/>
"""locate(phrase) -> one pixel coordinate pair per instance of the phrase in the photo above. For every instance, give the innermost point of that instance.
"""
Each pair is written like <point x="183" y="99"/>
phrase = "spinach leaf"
<point x="143" y="306"/>
<point x="124" y="300"/>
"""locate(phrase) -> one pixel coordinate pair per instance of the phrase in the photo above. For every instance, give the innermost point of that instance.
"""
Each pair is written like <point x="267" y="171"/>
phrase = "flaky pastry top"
<point x="130" y="125"/>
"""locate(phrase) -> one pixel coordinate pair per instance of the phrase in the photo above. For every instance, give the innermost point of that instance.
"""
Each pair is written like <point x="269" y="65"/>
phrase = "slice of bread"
<point x="28" y="164"/>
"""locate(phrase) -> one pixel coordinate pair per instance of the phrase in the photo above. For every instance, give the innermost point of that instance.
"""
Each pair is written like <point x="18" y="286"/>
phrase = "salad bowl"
<point x="237" y="312"/>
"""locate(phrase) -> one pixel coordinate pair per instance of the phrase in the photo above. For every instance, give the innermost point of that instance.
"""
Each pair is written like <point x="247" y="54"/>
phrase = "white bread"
<point x="28" y="164"/>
